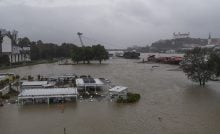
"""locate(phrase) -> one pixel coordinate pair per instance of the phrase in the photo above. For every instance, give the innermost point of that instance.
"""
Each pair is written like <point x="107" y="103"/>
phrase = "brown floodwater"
<point x="170" y="103"/>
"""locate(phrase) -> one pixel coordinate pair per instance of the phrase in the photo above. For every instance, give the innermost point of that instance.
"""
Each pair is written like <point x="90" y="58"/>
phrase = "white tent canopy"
<point x="118" y="89"/>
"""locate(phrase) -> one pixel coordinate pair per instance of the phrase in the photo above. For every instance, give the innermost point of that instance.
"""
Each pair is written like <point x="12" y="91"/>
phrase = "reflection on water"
<point x="170" y="104"/>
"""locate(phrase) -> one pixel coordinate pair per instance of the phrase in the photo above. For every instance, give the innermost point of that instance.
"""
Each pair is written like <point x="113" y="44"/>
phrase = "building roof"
<point x="89" y="82"/>
<point x="118" y="89"/>
<point x="34" y="83"/>
<point x="48" y="92"/>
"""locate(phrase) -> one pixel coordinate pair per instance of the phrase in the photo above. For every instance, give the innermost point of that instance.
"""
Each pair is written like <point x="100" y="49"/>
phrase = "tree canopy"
<point x="24" y="42"/>
<point x="87" y="53"/>
<point x="46" y="51"/>
<point x="201" y="64"/>
<point x="41" y="50"/>
<point x="100" y="53"/>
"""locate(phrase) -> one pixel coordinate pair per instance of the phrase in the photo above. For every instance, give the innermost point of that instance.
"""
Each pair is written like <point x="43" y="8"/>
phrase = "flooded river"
<point x="170" y="104"/>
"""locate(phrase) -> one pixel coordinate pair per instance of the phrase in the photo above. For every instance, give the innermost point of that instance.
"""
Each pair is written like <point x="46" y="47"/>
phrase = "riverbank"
<point x="28" y="64"/>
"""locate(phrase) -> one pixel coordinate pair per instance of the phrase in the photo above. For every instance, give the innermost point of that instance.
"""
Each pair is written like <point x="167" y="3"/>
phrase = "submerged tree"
<point x="197" y="65"/>
<point x="77" y="54"/>
<point x="214" y="61"/>
<point x="100" y="53"/>
<point x="87" y="53"/>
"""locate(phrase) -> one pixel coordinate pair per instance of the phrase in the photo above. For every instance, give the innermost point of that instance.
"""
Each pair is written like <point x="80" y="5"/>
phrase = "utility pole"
<point x="80" y="34"/>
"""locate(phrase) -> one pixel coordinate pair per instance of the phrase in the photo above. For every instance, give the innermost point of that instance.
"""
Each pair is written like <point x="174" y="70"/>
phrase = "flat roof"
<point x="34" y="83"/>
<point x="48" y="92"/>
<point x="96" y="82"/>
<point x="117" y="89"/>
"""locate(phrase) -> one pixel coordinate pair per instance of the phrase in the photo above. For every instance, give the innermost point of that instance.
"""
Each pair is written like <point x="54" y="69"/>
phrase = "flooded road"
<point x="170" y="104"/>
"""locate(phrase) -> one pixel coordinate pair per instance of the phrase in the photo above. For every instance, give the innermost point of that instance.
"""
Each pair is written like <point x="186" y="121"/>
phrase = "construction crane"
<point x="80" y="34"/>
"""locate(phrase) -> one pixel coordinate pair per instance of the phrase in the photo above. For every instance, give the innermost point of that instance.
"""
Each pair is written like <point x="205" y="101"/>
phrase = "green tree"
<point x="197" y="66"/>
<point x="77" y="54"/>
<point x="100" y="53"/>
<point x="24" y="42"/>
<point x="65" y="50"/>
<point x="88" y="54"/>
<point x="214" y="61"/>
<point x="35" y="52"/>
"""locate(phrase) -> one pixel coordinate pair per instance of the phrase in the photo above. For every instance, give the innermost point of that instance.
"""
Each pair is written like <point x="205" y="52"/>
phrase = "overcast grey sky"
<point x="117" y="23"/>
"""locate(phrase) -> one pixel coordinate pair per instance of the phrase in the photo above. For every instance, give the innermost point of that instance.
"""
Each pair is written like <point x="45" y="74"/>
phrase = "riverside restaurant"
<point x="47" y="95"/>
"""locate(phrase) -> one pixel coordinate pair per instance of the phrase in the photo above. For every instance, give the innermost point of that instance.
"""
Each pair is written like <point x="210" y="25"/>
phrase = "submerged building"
<point x="47" y="95"/>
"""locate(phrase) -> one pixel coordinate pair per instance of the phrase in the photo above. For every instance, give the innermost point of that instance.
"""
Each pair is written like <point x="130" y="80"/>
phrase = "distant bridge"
<point x="116" y="49"/>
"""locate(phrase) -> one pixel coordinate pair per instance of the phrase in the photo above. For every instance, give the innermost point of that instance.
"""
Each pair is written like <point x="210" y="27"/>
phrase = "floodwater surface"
<point x="170" y="103"/>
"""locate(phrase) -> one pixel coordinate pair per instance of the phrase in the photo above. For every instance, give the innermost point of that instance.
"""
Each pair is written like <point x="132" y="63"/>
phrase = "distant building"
<point x="15" y="52"/>
<point x="213" y="41"/>
<point x="170" y="51"/>
<point x="181" y="35"/>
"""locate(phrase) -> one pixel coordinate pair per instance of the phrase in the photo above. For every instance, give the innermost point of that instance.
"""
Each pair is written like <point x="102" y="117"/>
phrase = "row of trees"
<point x="47" y="51"/>
<point x="87" y="53"/>
<point x="40" y="50"/>
<point x="202" y="64"/>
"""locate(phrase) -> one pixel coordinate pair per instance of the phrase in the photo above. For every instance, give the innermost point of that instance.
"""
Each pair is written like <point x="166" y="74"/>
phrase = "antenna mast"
<point x="80" y="34"/>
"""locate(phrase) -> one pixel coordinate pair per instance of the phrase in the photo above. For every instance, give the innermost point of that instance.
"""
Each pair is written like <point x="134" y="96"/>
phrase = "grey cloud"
<point x="119" y="23"/>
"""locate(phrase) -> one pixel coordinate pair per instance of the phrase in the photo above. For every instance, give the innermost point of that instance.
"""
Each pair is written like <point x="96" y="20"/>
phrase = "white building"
<point x="15" y="53"/>
<point x="181" y="35"/>
<point x="171" y="51"/>
<point x="213" y="41"/>
<point x="49" y="95"/>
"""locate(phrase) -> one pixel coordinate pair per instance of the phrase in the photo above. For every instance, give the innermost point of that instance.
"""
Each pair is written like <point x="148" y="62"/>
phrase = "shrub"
<point x="131" y="98"/>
